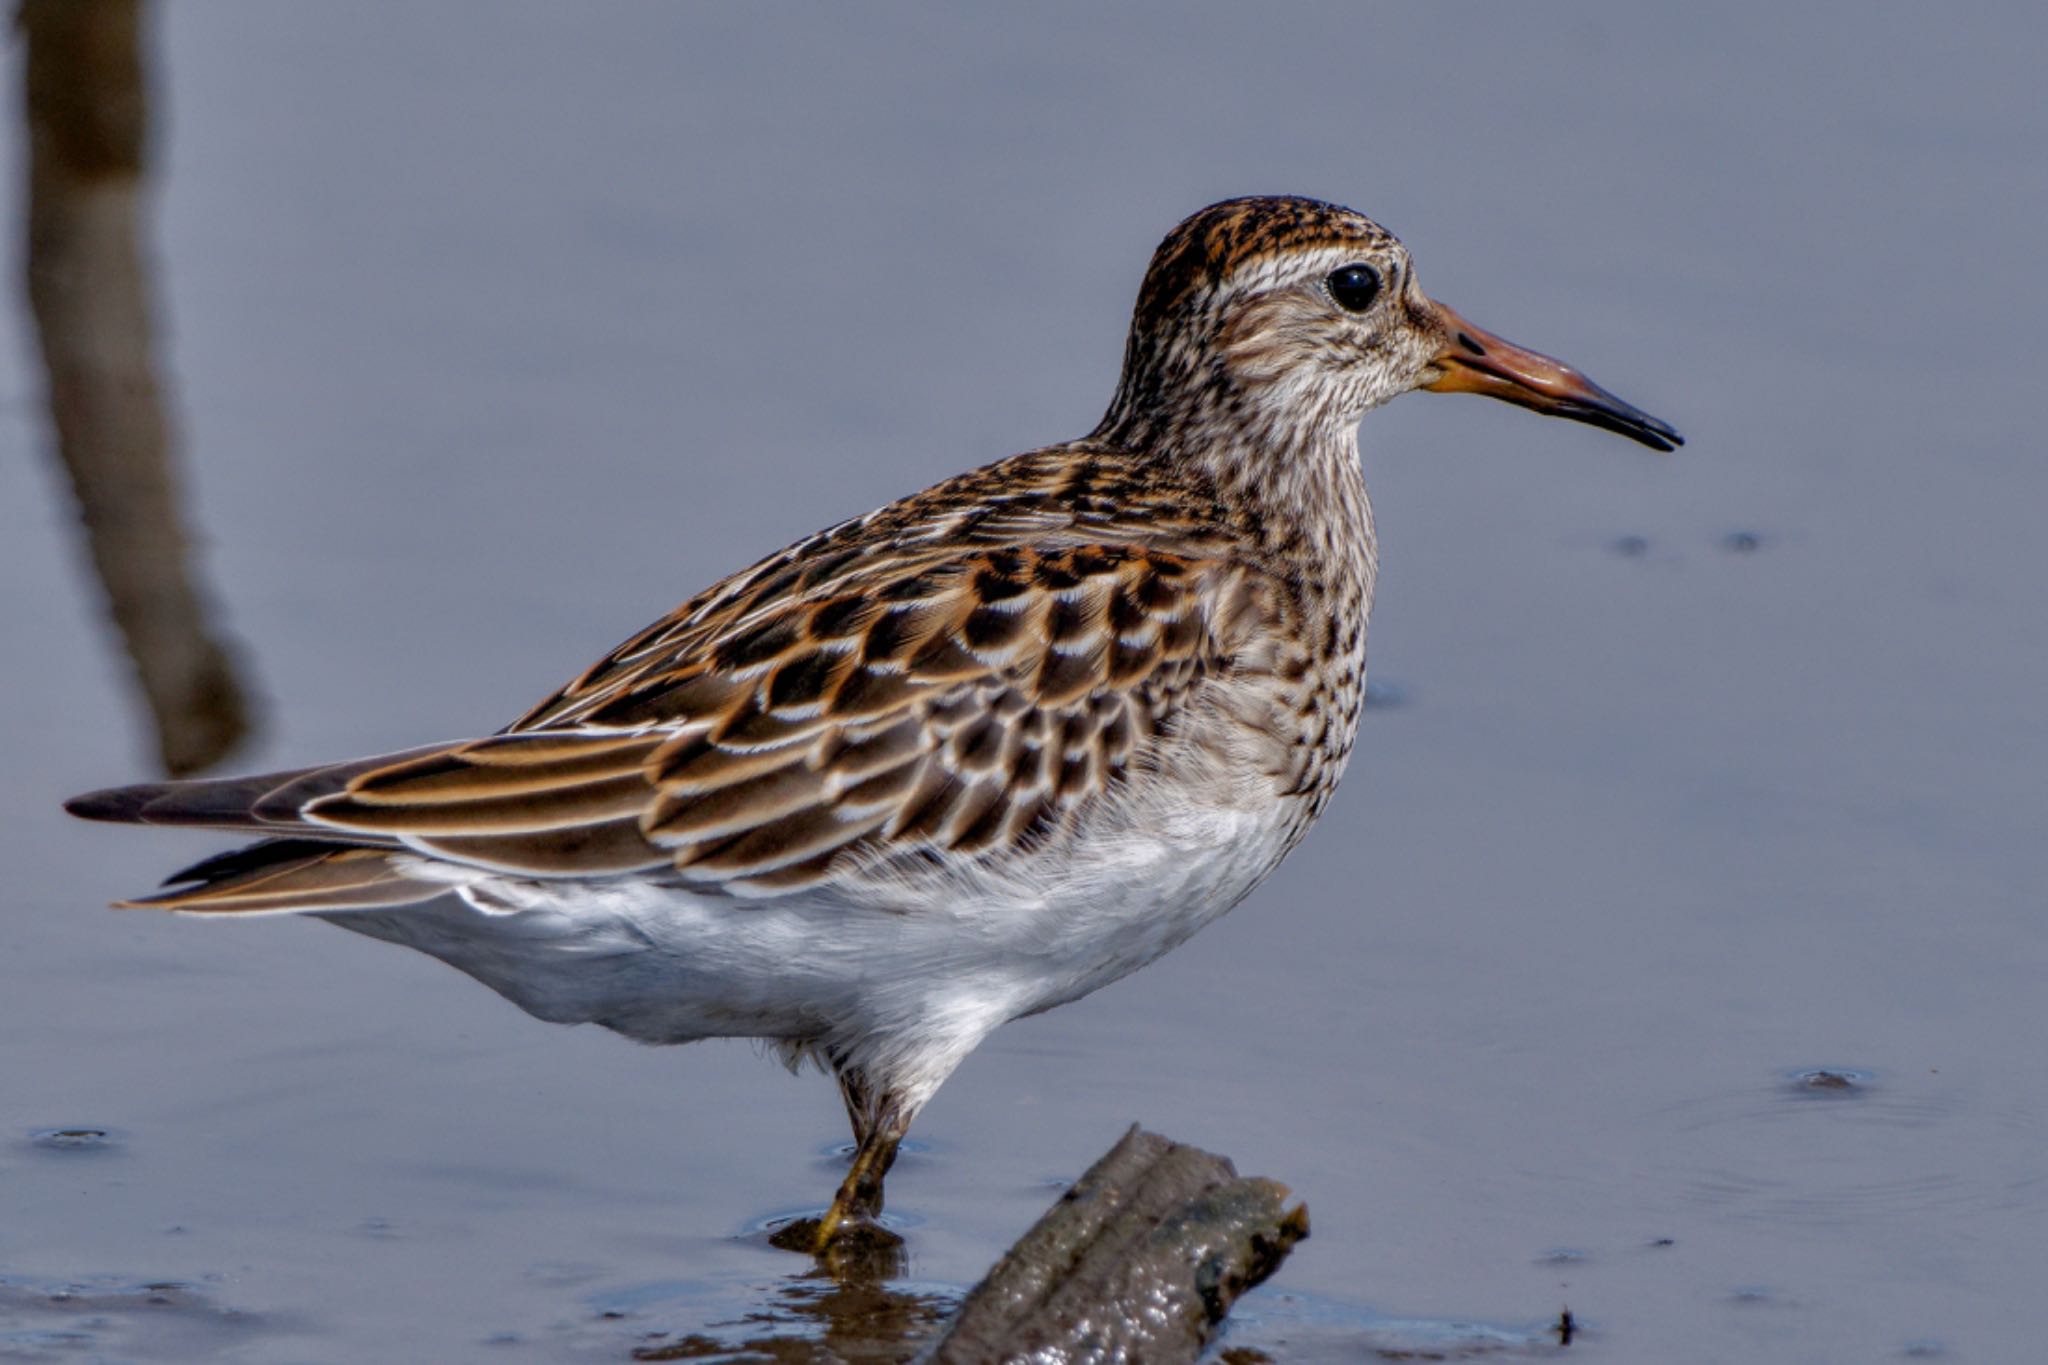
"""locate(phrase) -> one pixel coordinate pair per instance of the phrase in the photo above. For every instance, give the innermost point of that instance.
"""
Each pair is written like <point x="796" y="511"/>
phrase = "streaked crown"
<point x="1210" y="245"/>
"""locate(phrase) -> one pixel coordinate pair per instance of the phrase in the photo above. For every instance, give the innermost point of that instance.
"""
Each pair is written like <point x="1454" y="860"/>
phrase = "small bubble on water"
<point x="72" y="1139"/>
<point x="1830" y="1082"/>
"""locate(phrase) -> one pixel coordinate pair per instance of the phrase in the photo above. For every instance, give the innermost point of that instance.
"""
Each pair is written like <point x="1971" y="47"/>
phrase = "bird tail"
<point x="303" y="868"/>
<point x="291" y="876"/>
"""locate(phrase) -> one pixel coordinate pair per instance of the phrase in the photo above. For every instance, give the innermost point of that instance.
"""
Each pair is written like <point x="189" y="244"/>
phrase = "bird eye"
<point x="1354" y="287"/>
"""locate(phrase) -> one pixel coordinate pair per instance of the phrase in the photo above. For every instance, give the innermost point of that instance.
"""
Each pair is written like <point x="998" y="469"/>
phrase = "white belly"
<point x="929" y="962"/>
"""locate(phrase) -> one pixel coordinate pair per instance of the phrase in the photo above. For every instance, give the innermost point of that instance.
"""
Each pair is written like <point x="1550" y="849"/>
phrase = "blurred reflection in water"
<point x="842" y="1313"/>
<point x="87" y="119"/>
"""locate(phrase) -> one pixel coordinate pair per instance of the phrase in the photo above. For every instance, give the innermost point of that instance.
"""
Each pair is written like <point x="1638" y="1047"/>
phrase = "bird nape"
<point x="958" y="760"/>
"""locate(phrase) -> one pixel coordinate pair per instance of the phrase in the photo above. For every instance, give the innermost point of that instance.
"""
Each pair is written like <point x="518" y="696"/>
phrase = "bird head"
<point x="1282" y="319"/>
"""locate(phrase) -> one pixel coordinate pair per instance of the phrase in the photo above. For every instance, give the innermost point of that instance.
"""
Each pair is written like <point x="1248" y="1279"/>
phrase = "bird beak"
<point x="1477" y="361"/>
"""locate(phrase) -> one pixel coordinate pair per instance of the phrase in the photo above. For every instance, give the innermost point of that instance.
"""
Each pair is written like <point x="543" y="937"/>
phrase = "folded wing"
<point x="905" y="705"/>
<point x="961" y="706"/>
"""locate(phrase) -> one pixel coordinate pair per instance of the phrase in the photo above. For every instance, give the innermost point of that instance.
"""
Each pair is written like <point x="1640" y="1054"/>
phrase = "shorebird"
<point x="959" y="760"/>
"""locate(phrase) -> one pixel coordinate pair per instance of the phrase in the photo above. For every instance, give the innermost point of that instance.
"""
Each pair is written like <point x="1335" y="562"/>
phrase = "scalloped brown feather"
<point x="894" y="685"/>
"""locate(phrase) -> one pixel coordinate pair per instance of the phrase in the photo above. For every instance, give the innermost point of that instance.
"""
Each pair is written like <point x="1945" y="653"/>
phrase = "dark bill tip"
<point x="1624" y="419"/>
<point x="1474" y="360"/>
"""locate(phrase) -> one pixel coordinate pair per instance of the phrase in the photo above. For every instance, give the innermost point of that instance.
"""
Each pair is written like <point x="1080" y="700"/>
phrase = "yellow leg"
<point x="848" y="1228"/>
<point x="859" y="1200"/>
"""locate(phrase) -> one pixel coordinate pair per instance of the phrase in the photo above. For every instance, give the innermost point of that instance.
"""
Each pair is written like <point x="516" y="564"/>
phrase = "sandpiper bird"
<point x="962" y="759"/>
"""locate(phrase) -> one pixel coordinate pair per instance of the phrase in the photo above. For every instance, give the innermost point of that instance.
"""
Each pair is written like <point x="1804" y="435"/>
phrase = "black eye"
<point x="1354" y="287"/>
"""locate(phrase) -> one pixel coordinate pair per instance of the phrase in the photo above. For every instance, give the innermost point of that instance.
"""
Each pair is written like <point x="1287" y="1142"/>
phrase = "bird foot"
<point x="847" y="1246"/>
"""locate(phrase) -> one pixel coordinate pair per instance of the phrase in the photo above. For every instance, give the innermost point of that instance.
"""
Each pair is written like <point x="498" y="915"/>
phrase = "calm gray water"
<point x="494" y="331"/>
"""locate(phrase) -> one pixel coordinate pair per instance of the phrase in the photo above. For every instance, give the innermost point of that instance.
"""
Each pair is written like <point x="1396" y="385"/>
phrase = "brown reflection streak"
<point x="840" y="1313"/>
<point x="87" y="116"/>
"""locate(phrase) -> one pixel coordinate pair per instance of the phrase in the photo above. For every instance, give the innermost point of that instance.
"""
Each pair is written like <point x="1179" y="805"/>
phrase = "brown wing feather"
<point x="507" y="784"/>
<point x="956" y="673"/>
<point x="977" y="706"/>
<point x="1074" y="496"/>
<point x="968" y="706"/>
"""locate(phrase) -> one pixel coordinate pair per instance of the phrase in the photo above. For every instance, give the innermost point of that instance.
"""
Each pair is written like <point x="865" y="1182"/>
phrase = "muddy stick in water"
<point x="1140" y="1260"/>
<point x="88" y="285"/>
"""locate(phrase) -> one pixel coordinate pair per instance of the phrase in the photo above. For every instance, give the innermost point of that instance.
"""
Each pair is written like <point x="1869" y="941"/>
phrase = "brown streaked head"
<point x="1208" y="246"/>
<point x="1281" y="319"/>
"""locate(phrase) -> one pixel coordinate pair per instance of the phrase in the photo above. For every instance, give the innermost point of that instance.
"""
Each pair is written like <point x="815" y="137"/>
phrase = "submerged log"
<point x="1140" y="1260"/>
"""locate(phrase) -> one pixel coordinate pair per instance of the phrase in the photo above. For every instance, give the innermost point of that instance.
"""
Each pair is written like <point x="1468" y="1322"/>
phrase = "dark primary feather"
<point x="258" y="803"/>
